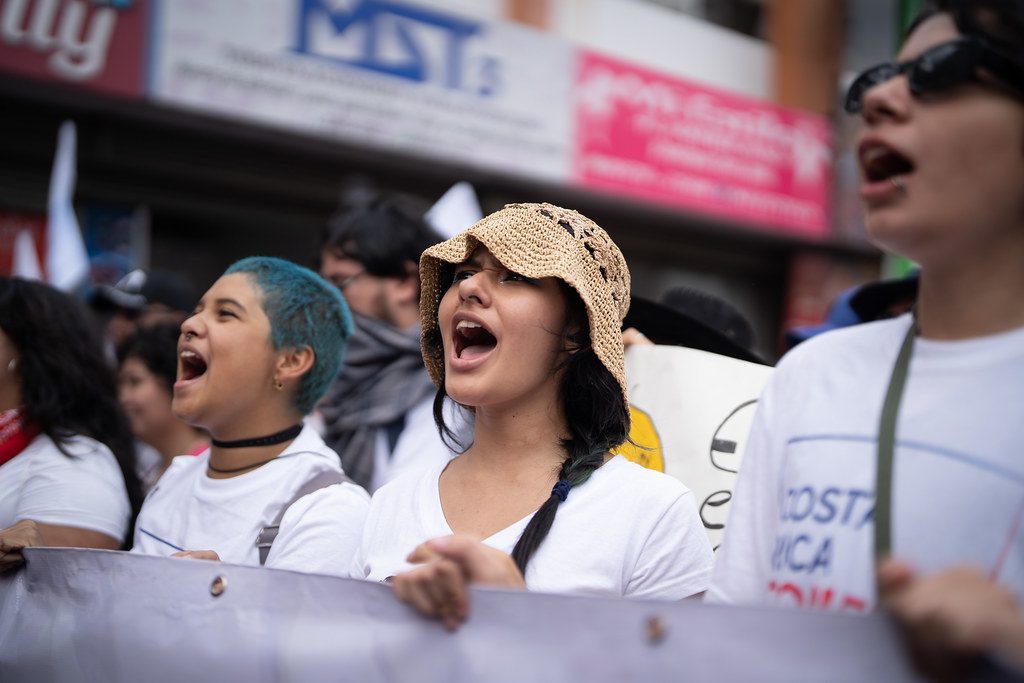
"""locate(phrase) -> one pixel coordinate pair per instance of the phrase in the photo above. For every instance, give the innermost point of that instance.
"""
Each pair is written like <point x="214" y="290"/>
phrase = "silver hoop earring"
<point x="12" y="365"/>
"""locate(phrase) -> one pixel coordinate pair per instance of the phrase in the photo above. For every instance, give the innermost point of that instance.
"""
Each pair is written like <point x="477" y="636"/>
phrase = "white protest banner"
<point x="94" y="615"/>
<point x="381" y="74"/>
<point x="692" y="412"/>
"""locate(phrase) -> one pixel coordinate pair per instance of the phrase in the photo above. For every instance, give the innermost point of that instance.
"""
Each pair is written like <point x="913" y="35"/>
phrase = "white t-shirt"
<point x="801" y="529"/>
<point x="148" y="465"/>
<point x="625" y="531"/>
<point x="419" y="444"/>
<point x="84" y="490"/>
<point x="187" y="510"/>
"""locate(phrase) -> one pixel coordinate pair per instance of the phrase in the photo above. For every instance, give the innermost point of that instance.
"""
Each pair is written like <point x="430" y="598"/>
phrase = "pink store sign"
<point x="666" y="140"/>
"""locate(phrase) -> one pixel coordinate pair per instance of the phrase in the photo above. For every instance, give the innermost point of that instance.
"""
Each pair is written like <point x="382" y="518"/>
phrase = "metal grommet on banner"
<point x="219" y="585"/>
<point x="655" y="630"/>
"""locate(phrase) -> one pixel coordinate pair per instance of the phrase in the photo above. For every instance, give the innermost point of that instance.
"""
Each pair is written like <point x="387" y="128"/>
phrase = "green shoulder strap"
<point x="886" y="445"/>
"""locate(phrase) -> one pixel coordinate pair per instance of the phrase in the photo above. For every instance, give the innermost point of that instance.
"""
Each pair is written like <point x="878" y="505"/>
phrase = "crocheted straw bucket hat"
<point x="537" y="240"/>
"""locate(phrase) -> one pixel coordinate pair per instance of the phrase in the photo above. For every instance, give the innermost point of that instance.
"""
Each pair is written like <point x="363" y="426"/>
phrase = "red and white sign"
<point x="663" y="139"/>
<point x="401" y="76"/>
<point x="14" y="223"/>
<point x="80" y="42"/>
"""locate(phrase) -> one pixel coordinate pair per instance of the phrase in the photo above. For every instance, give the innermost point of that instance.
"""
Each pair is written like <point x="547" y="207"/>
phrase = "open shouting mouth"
<point x="472" y="341"/>
<point x="885" y="170"/>
<point x="191" y="366"/>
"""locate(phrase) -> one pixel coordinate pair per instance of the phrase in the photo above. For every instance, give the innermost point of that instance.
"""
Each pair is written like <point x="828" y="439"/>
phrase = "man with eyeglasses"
<point x="378" y="413"/>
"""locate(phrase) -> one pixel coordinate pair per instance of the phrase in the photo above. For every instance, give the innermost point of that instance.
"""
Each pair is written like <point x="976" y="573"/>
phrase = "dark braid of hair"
<point x="598" y="421"/>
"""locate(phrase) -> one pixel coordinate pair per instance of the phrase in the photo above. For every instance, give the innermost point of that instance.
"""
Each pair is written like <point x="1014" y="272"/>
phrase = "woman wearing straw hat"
<point x="521" y="319"/>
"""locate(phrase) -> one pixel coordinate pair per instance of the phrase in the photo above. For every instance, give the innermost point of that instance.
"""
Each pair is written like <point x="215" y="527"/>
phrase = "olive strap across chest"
<point x="887" y="445"/>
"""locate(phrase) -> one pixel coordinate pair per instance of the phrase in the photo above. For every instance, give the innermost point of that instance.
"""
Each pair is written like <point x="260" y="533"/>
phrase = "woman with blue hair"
<point x="257" y="353"/>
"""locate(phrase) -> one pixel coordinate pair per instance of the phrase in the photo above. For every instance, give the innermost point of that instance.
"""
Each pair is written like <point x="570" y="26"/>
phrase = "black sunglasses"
<point x="939" y="69"/>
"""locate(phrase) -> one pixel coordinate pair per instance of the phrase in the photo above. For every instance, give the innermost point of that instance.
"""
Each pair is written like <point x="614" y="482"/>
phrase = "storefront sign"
<point x="95" y="44"/>
<point x="389" y="75"/>
<point x="675" y="142"/>
<point x="419" y="81"/>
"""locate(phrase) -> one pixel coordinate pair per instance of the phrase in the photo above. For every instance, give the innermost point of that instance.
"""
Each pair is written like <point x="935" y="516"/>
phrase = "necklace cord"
<point x="269" y="440"/>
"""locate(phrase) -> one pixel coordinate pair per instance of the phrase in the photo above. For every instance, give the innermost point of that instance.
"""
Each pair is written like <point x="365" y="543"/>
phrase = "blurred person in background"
<point x="257" y="353"/>
<point x="378" y="412"/>
<point x="67" y="475"/>
<point x="714" y="311"/>
<point x="885" y="298"/>
<point x="140" y="299"/>
<point x="864" y="303"/>
<point x="693" y="318"/>
<point x="840" y="314"/>
<point x="884" y="466"/>
<point x="148" y="364"/>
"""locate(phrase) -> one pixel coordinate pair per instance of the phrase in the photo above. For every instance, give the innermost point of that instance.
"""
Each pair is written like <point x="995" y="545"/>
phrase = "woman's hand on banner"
<point x="199" y="555"/>
<point x="22" y="534"/>
<point x="952" y="617"/>
<point x="439" y="586"/>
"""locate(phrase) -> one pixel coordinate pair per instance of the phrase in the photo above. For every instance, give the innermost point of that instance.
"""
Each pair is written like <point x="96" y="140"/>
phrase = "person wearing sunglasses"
<point x="885" y="467"/>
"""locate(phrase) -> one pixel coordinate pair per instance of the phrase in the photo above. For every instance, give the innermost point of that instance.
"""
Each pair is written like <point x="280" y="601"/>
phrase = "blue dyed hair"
<point x="304" y="310"/>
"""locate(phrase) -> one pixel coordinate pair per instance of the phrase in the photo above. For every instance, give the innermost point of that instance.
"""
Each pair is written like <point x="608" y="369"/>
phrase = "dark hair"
<point x="712" y="310"/>
<point x="999" y="22"/>
<point x="67" y="388"/>
<point x="383" y="234"/>
<point x="596" y="415"/>
<point x="156" y="346"/>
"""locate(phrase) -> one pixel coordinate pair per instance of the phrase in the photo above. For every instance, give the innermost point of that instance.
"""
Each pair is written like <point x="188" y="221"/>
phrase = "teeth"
<point x="464" y="324"/>
<point x="189" y="354"/>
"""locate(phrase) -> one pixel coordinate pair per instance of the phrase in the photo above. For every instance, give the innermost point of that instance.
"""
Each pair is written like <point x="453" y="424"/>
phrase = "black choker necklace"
<point x="279" y="437"/>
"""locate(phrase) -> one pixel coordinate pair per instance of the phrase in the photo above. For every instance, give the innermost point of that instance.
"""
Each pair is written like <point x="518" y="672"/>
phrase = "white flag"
<point x="456" y="210"/>
<point x="26" y="260"/>
<point x="67" y="262"/>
